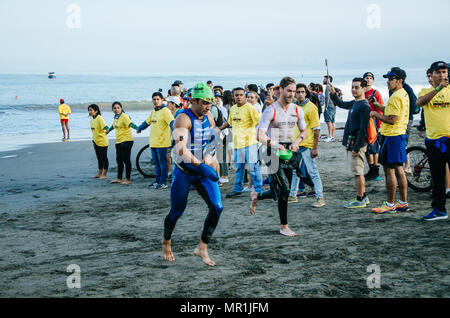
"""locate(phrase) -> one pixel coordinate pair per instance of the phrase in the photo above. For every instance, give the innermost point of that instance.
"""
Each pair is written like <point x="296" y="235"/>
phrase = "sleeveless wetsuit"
<point x="185" y="175"/>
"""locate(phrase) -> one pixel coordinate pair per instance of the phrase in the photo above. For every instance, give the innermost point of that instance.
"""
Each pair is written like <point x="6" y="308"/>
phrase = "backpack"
<point x="371" y="132"/>
<point x="218" y="121"/>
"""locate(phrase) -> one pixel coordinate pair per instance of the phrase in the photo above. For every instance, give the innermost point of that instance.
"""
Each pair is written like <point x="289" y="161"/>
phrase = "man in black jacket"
<point x="355" y="136"/>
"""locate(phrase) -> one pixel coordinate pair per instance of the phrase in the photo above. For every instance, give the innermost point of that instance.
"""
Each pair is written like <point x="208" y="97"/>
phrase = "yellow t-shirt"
<point x="312" y="121"/>
<point x="99" y="136"/>
<point x="64" y="109"/>
<point x="437" y="113"/>
<point x="244" y="120"/>
<point x="122" y="127"/>
<point x="397" y="105"/>
<point x="160" y="132"/>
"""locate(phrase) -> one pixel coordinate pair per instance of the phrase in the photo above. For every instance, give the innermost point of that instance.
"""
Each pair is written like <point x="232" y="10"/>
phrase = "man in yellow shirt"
<point x="436" y="105"/>
<point x="64" y="112"/>
<point x="393" y="141"/>
<point x="244" y="118"/>
<point x="161" y="122"/>
<point x="308" y="147"/>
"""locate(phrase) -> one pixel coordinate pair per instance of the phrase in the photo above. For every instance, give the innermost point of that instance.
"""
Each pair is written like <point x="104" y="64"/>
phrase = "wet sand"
<point x="53" y="215"/>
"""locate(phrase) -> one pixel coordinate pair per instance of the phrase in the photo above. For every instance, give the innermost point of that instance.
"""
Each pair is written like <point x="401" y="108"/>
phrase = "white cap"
<point x="174" y="99"/>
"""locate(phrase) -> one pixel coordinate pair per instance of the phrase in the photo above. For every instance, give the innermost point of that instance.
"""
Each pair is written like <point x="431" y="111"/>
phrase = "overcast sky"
<point x="234" y="35"/>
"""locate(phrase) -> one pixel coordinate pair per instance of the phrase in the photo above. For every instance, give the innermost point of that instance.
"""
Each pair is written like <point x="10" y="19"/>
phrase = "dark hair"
<point x="286" y="81"/>
<point x="253" y="88"/>
<point x="429" y="71"/>
<point x="227" y="98"/>
<point x="270" y="85"/>
<point x="117" y="103"/>
<point x="318" y="88"/>
<point x="95" y="108"/>
<point x="238" y="89"/>
<point x="158" y="94"/>
<point x="330" y="77"/>
<point x="209" y="82"/>
<point x="361" y="80"/>
<point x="301" y="85"/>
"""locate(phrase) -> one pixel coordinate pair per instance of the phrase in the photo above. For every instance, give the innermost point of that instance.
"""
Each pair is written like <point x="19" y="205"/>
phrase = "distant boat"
<point x="51" y="75"/>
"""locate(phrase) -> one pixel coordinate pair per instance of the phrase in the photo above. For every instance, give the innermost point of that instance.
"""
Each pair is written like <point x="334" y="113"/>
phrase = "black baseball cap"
<point x="368" y="74"/>
<point x="438" y="65"/>
<point x="396" y="72"/>
<point x="176" y="83"/>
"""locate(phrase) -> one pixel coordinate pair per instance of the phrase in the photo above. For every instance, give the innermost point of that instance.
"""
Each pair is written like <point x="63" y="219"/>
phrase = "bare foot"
<point x="117" y="181"/>
<point x="126" y="182"/>
<point x="96" y="176"/>
<point x="202" y="251"/>
<point x="254" y="197"/>
<point x="103" y="177"/>
<point x="286" y="231"/>
<point x="167" y="251"/>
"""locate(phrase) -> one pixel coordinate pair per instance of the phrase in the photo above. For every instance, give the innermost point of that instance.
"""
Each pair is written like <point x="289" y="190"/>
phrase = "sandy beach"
<point x="54" y="215"/>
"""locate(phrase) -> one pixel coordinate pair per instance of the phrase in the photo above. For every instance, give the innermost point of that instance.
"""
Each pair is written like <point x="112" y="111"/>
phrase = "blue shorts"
<point x="330" y="114"/>
<point x="393" y="151"/>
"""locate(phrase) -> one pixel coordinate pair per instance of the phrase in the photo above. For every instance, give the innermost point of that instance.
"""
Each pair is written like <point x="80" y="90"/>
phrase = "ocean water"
<point x="29" y="102"/>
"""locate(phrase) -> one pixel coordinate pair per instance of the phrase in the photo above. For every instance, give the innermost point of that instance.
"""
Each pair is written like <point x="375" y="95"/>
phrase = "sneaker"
<point x="366" y="200"/>
<point x="436" y="215"/>
<point x="162" y="186"/>
<point x="385" y="208"/>
<point x="374" y="178"/>
<point x="223" y="180"/>
<point x="319" y="203"/>
<point x="233" y="194"/>
<point x="247" y="189"/>
<point x="355" y="204"/>
<point x="153" y="185"/>
<point x="327" y="140"/>
<point x="292" y="199"/>
<point x="301" y="194"/>
<point x="401" y="207"/>
<point x="311" y="194"/>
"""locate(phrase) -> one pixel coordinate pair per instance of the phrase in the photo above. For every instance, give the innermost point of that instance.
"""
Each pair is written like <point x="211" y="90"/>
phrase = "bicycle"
<point x="420" y="177"/>
<point x="144" y="162"/>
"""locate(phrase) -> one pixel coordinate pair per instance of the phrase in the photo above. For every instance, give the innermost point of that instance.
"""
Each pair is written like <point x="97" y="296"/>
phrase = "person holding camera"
<point x="373" y="151"/>
<point x="355" y="136"/>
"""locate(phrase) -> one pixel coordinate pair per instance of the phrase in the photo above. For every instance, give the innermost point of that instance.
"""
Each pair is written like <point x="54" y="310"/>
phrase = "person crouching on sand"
<point x="124" y="142"/>
<point x="100" y="140"/>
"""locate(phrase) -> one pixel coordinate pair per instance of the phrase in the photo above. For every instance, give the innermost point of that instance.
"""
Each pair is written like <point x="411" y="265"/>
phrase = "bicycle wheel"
<point x="420" y="177"/>
<point x="144" y="163"/>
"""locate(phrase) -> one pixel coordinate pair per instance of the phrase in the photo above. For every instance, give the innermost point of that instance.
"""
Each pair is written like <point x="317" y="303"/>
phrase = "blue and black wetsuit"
<point x="185" y="175"/>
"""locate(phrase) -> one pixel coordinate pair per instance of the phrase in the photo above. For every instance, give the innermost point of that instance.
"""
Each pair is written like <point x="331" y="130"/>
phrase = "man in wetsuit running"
<point x="194" y="158"/>
<point x="276" y="130"/>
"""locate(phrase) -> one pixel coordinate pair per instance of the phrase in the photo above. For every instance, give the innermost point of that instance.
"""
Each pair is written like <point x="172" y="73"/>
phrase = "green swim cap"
<point x="285" y="154"/>
<point x="203" y="91"/>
